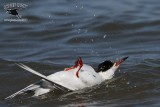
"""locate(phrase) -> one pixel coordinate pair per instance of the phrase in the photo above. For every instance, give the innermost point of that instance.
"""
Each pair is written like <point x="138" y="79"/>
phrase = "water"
<point x="57" y="32"/>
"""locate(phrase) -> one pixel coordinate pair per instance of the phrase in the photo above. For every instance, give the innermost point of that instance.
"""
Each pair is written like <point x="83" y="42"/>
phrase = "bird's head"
<point x="107" y="65"/>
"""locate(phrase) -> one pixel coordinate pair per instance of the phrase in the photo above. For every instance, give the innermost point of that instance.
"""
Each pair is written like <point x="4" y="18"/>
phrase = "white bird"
<point x="74" y="78"/>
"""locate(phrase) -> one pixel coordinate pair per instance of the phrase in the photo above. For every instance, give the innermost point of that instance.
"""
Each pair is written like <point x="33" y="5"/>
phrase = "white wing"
<point x="43" y="77"/>
<point x="32" y="86"/>
<point x="20" y="92"/>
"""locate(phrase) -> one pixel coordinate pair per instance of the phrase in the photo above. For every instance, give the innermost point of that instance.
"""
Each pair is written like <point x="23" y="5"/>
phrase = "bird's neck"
<point x="108" y="74"/>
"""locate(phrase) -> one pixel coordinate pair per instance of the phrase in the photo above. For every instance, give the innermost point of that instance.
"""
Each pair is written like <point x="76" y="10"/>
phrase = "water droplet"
<point x="104" y="36"/>
<point x="92" y="40"/>
<point x="86" y="31"/>
<point x="82" y="7"/>
<point x="128" y="83"/>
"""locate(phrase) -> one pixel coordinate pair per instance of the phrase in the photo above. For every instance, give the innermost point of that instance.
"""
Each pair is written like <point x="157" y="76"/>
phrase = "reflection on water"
<point x="57" y="32"/>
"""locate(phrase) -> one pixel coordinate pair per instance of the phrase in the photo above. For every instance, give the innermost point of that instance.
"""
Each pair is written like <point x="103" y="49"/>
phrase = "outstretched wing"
<point x="55" y="85"/>
<point x="20" y="91"/>
<point x="43" y="77"/>
<point x="33" y="87"/>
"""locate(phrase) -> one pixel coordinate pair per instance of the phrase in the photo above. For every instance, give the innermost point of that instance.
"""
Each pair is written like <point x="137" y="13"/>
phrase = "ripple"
<point x="57" y="32"/>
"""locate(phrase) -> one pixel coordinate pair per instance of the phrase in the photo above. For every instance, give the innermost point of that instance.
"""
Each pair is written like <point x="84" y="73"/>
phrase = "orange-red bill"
<point x="121" y="60"/>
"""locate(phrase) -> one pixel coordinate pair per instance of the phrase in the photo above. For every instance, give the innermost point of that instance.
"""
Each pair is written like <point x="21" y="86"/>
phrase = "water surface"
<point x="57" y="32"/>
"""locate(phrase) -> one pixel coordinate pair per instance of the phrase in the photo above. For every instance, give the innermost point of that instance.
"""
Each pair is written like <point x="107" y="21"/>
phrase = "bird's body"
<point x="13" y="12"/>
<point x="69" y="79"/>
<point x="87" y="77"/>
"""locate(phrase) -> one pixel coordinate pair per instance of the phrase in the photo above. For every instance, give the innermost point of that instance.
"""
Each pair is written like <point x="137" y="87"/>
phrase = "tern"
<point x="74" y="78"/>
<point x="13" y="12"/>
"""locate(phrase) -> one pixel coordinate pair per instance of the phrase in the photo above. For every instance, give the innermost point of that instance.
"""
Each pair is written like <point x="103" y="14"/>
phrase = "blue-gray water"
<point x="58" y="31"/>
